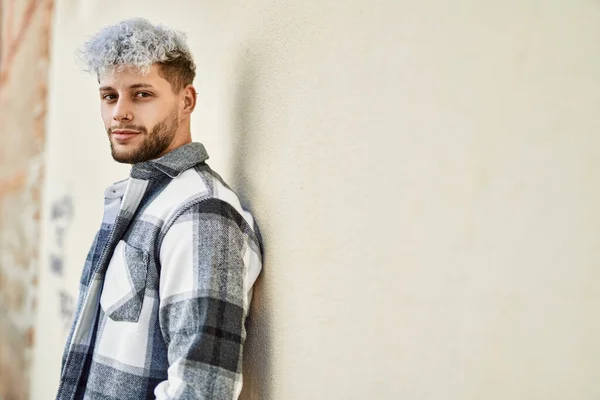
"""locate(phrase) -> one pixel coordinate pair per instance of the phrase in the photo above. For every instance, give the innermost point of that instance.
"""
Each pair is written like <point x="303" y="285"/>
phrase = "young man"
<point x="167" y="284"/>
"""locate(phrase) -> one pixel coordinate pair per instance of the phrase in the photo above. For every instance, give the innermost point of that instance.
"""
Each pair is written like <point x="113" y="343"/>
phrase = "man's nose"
<point x="122" y="111"/>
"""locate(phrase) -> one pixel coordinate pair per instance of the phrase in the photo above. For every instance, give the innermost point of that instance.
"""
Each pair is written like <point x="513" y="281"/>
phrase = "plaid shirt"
<point x="165" y="289"/>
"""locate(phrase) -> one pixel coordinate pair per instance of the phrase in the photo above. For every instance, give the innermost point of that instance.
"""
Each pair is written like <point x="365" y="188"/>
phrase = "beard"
<point x="153" y="144"/>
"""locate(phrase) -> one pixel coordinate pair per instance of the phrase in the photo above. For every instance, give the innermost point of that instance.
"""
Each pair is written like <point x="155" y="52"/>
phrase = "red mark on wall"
<point x="12" y="37"/>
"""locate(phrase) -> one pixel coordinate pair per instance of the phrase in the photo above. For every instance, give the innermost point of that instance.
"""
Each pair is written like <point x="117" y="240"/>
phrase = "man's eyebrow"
<point x="134" y="86"/>
<point x="140" y="85"/>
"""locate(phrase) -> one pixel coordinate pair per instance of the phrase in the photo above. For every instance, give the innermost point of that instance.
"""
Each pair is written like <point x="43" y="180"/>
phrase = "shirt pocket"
<point x="125" y="283"/>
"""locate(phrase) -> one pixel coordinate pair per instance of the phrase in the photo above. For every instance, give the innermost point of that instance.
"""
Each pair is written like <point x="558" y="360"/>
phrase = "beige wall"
<point x="424" y="174"/>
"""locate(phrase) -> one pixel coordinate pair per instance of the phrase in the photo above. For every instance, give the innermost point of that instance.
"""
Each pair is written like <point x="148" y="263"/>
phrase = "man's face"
<point x="140" y="114"/>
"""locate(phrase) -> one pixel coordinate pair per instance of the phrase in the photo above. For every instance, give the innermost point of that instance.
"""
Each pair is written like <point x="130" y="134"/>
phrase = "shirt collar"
<point x="173" y="163"/>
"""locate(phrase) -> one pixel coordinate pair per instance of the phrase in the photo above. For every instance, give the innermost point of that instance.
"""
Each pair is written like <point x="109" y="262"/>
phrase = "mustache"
<point x="138" y="128"/>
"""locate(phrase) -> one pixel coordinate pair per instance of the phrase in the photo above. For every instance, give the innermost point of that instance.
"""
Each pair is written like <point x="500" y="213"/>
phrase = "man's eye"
<point x="142" y="94"/>
<point x="109" y="97"/>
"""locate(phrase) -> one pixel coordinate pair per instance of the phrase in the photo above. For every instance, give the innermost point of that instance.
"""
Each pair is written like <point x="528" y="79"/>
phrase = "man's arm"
<point x="203" y="303"/>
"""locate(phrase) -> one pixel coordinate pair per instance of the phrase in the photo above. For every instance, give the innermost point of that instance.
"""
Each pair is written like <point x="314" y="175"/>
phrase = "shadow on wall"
<point x="257" y="352"/>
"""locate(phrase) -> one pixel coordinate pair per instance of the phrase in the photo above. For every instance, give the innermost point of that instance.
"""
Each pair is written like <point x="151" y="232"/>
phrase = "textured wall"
<point x="24" y="41"/>
<point x="424" y="173"/>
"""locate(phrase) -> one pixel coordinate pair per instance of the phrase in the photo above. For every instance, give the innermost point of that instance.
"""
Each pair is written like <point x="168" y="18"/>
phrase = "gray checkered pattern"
<point x="166" y="288"/>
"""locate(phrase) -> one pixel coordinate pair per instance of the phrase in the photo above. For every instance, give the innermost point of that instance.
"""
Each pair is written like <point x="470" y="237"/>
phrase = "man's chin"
<point x="123" y="159"/>
<point x="124" y="154"/>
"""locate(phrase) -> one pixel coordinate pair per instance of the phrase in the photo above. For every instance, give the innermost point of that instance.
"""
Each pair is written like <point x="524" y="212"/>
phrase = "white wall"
<point x="424" y="174"/>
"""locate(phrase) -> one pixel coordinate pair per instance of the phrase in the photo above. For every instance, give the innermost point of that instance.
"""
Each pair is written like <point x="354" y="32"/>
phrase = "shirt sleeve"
<point x="204" y="299"/>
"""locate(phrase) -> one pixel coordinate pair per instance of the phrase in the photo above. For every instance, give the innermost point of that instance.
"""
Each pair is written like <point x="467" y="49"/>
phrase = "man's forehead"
<point x="126" y="76"/>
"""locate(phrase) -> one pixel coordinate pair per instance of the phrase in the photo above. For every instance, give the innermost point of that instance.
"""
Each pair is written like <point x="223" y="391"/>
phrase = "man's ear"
<point x="189" y="99"/>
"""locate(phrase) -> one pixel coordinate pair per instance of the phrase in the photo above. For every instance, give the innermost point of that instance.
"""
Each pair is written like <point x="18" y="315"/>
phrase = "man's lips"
<point x="124" y="134"/>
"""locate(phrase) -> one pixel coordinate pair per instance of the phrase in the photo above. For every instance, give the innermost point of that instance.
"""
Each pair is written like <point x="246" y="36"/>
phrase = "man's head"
<point x="146" y="74"/>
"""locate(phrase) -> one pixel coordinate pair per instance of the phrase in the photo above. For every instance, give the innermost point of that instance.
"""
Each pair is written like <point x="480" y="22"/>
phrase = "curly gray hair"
<point x="140" y="44"/>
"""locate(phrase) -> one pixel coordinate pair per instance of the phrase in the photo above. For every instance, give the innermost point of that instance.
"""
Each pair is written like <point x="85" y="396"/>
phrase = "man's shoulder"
<point x="200" y="183"/>
<point x="214" y="190"/>
<point x="196" y="194"/>
<point x="197" y="186"/>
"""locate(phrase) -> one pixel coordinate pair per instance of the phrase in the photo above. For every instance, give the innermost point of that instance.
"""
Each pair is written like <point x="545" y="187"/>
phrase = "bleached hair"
<point x="140" y="44"/>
